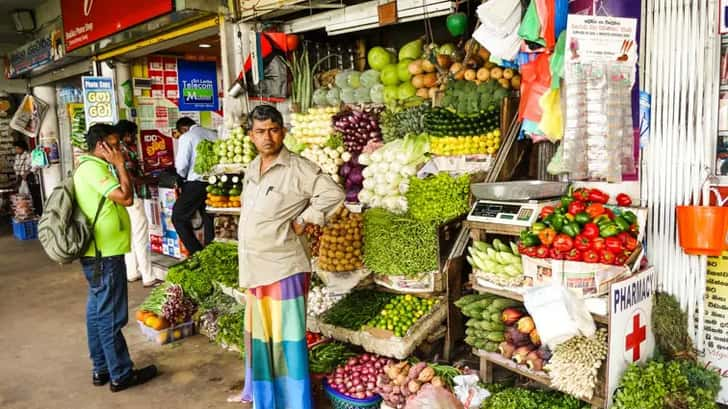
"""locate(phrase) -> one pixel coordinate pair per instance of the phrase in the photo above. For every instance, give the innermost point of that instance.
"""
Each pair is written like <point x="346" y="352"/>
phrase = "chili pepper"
<point x="620" y="259"/>
<point x="597" y="196"/>
<point x="598" y="244"/>
<point x="566" y="201"/>
<point x="581" y="242"/>
<point x="547" y="210"/>
<point x="631" y="243"/>
<point x="609" y="230"/>
<point x="581" y="194"/>
<point x="582" y="218"/>
<point x="576" y="207"/>
<point x="609" y="213"/>
<point x="595" y="210"/>
<point x="623" y="237"/>
<point x="571" y="229"/>
<point x="542" y="251"/>
<point x="590" y="231"/>
<point x="614" y="244"/>
<point x="563" y="243"/>
<point x="537" y="227"/>
<point x="556" y="254"/>
<point x="606" y="257"/>
<point x="547" y="236"/>
<point x="621" y="223"/>
<point x="623" y="199"/>
<point x="630" y="217"/>
<point x="591" y="256"/>
<point x="574" y="255"/>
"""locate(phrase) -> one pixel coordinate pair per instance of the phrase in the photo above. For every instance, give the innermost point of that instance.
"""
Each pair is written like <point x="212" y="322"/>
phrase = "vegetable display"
<point x="231" y="328"/>
<point x="402" y="380"/>
<point x="165" y="306"/>
<point x="582" y="228"/>
<point x="352" y="173"/>
<point x="329" y="159"/>
<point x="441" y="122"/>
<point x="314" y="127"/>
<point x="217" y="262"/>
<point x="485" y="327"/>
<point x="522" y="398"/>
<point x="386" y="177"/>
<point x="320" y="299"/>
<point x="401" y="313"/>
<point x="224" y="191"/>
<point x="341" y="242"/>
<point x="206" y="157"/>
<point x="358" y="128"/>
<point x="499" y="263"/>
<point x="325" y="357"/>
<point x="358" y="377"/>
<point x="670" y="325"/>
<point x="237" y="149"/>
<point x="356" y="309"/>
<point x="469" y="98"/>
<point x="397" y="124"/>
<point x="438" y="198"/>
<point x="574" y="365"/>
<point x="399" y="245"/>
<point x="177" y="308"/>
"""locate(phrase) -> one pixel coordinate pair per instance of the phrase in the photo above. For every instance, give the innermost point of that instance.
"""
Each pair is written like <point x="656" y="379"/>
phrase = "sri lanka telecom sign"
<point x="86" y="21"/>
<point x="197" y="86"/>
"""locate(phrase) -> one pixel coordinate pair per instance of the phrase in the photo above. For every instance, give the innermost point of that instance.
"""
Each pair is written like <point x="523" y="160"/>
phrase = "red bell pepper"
<point x="590" y="231"/>
<point x="606" y="257"/>
<point x="595" y="210"/>
<point x="574" y="255"/>
<point x="547" y="210"/>
<point x="576" y="207"/>
<point x="547" y="236"/>
<point x="598" y="244"/>
<point x="581" y="242"/>
<point x="631" y="243"/>
<point x="591" y="256"/>
<point x="634" y="229"/>
<point x="542" y="251"/>
<point x="597" y="196"/>
<point x="521" y="247"/>
<point x="623" y="237"/>
<point x="620" y="259"/>
<point x="556" y="254"/>
<point x="581" y="194"/>
<point x="563" y="243"/>
<point x="530" y="251"/>
<point x="614" y="245"/>
<point x="609" y="213"/>
<point x="623" y="199"/>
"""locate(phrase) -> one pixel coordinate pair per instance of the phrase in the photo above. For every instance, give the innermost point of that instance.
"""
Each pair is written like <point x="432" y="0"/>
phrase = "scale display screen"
<point x="520" y="214"/>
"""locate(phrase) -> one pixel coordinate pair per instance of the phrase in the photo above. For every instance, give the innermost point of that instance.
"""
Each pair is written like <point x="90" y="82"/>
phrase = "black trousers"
<point x="191" y="200"/>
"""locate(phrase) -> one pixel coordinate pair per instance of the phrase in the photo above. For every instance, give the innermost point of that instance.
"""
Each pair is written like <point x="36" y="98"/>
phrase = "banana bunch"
<point x="485" y="329"/>
<point x="501" y="261"/>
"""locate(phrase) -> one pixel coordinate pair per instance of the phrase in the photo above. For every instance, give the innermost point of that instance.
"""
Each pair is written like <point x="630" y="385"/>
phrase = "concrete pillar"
<point x="52" y="176"/>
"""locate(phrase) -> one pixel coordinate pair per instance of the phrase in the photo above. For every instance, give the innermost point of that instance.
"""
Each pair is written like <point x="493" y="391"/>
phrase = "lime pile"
<point x="401" y="313"/>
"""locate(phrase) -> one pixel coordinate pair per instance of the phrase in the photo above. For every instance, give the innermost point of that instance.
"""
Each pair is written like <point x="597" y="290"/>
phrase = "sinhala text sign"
<point x="630" y="326"/>
<point x="716" y="321"/>
<point x="99" y="100"/>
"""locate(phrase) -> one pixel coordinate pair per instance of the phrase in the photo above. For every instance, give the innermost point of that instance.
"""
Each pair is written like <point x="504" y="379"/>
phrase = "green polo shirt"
<point x="94" y="179"/>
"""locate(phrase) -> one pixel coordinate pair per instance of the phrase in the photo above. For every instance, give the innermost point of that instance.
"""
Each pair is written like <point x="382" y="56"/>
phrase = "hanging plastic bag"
<point x="552" y="119"/>
<point x="559" y="314"/>
<point x="24" y="189"/>
<point x="556" y="164"/>
<point x="38" y="158"/>
<point x="545" y="11"/>
<point x="469" y="392"/>
<point x="530" y="29"/>
<point x="433" y="397"/>
<point x="557" y="62"/>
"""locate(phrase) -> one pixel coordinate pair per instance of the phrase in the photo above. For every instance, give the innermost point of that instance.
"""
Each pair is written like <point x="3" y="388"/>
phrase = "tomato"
<point x="591" y="256"/>
<point x="581" y="242"/>
<point x="563" y="243"/>
<point x="606" y="257"/>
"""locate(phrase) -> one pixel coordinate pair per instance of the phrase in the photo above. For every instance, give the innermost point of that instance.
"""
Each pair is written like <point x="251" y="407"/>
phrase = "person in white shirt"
<point x="193" y="193"/>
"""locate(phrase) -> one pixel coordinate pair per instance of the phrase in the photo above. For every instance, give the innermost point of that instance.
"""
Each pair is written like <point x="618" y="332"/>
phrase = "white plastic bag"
<point x="24" y="189"/>
<point x="468" y="392"/>
<point x="558" y="314"/>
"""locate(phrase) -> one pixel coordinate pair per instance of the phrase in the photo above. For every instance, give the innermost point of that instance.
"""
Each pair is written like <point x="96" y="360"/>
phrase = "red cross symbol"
<point x="635" y="339"/>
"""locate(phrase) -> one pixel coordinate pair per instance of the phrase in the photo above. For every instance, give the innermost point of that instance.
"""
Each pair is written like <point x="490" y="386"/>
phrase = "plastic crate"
<point x="25" y="230"/>
<point x="168" y="335"/>
<point x="341" y="401"/>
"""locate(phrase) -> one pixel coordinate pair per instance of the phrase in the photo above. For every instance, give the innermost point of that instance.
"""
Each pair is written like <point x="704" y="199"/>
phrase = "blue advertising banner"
<point x="36" y="53"/>
<point x="197" y="86"/>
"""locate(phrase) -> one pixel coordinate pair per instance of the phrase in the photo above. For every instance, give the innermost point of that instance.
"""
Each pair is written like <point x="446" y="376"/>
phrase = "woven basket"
<point x="340" y="401"/>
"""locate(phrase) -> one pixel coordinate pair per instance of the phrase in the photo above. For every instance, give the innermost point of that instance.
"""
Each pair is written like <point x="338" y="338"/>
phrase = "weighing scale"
<point x="513" y="203"/>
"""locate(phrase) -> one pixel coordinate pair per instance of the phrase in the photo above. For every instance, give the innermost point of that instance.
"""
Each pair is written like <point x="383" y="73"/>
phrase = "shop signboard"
<point x="37" y="53"/>
<point x="197" y="86"/>
<point x="716" y="321"/>
<point x="86" y="21"/>
<point x="157" y="151"/>
<point x="99" y="100"/>
<point x="630" y="325"/>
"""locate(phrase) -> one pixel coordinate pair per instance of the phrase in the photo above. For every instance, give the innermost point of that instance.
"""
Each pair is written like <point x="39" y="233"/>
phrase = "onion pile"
<point x="358" y="128"/>
<point x="357" y="379"/>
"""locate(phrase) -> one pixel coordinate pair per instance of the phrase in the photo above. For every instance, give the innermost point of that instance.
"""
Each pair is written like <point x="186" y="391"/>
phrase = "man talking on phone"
<point x="103" y="190"/>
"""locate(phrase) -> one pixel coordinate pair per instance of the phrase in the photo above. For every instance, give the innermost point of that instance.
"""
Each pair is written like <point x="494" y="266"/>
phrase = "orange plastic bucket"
<point x="702" y="229"/>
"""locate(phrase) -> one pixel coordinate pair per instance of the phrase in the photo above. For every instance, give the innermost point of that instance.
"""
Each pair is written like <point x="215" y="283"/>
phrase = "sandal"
<point x="154" y="283"/>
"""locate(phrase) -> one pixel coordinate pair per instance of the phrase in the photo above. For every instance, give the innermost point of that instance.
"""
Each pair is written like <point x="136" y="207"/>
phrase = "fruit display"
<point x="400" y="122"/>
<point x="403" y="380"/>
<point x="350" y="87"/>
<point x="486" y="329"/>
<point x="473" y="63"/>
<point x="468" y="98"/>
<point x="237" y="149"/>
<point x="357" y="378"/>
<point x="341" y="242"/>
<point x="401" y="313"/>
<point x="356" y="309"/>
<point x="574" y="365"/>
<point x="387" y="172"/>
<point x="582" y="228"/>
<point x="496" y="262"/>
<point x="424" y="78"/>
<point x="314" y="127"/>
<point x="224" y="191"/>
<point x="438" y="198"/>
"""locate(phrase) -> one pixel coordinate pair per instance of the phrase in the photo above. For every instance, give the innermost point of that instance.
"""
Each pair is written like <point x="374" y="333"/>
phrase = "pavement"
<point x="44" y="358"/>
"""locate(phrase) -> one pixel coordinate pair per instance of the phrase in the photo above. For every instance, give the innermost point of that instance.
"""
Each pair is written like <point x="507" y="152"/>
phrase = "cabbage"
<point x="378" y="58"/>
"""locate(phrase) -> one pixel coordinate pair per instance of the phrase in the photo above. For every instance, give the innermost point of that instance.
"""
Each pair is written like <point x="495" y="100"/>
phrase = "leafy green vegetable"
<point x="155" y="300"/>
<point x="356" y="309"/>
<point x="218" y="262"/>
<point x="231" y="328"/>
<point x="195" y="285"/>
<point x="335" y="141"/>
<point x="521" y="398"/>
<point x="206" y="157"/>
<point x="438" y="198"/>
<point x="670" y="324"/>
<point x="398" y="245"/>
<point x="674" y="384"/>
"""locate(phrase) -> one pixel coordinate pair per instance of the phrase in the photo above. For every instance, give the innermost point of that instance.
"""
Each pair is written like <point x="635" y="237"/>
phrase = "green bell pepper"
<point x="630" y="217"/>
<point x="608" y="229"/>
<point x="621" y="223"/>
<point x="571" y="229"/>
<point x="566" y="201"/>
<point x="528" y="239"/>
<point x="537" y="227"/>
<point x="582" y="218"/>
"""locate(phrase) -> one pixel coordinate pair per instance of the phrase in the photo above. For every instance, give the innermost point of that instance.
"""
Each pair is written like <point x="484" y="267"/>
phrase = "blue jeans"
<point x="106" y="314"/>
